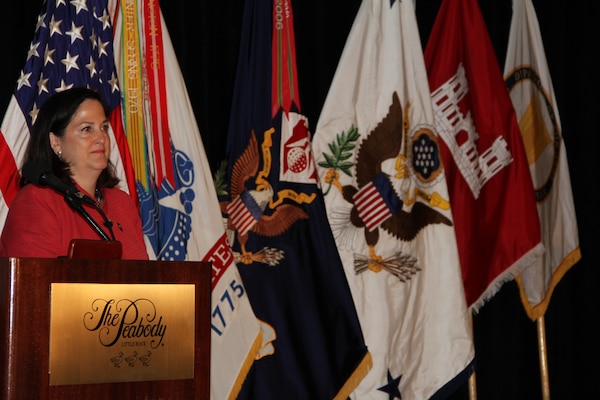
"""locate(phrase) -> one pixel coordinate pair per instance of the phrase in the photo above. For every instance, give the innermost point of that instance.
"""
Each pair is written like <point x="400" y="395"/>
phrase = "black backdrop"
<point x="205" y="35"/>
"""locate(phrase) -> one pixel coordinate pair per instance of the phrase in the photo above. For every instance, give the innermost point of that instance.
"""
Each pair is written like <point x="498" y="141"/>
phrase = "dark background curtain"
<point x="205" y="35"/>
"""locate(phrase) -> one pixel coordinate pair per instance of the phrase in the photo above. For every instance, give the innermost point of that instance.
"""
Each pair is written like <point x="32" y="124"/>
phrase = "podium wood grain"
<point x="25" y="326"/>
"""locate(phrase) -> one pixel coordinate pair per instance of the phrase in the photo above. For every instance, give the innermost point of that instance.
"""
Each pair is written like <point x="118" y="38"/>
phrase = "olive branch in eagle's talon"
<point x="341" y="151"/>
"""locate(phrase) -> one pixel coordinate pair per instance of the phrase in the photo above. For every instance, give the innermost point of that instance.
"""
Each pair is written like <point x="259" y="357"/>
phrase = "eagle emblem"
<point x="383" y="198"/>
<point x="253" y="210"/>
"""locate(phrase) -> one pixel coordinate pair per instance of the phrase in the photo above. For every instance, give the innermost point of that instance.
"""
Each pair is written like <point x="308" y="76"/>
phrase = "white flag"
<point x="528" y="79"/>
<point x="387" y="202"/>
<point x="180" y="211"/>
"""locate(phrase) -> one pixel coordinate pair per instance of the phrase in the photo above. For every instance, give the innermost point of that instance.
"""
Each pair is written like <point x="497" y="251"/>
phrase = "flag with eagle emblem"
<point x="387" y="202"/>
<point x="528" y="80"/>
<point x="178" y="200"/>
<point x="313" y="346"/>
<point x="491" y="192"/>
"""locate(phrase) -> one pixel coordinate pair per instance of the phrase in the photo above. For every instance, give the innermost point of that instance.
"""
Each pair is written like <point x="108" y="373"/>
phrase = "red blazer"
<point x="40" y="223"/>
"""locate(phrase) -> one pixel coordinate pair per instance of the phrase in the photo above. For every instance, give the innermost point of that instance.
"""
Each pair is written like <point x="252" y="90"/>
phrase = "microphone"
<point x="34" y="173"/>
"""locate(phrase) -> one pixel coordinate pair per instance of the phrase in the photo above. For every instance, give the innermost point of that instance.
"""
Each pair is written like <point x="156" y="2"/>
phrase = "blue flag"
<point x="313" y="346"/>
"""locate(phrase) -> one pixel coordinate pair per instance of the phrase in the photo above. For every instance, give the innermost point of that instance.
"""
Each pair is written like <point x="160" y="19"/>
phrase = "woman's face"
<point x="85" y="145"/>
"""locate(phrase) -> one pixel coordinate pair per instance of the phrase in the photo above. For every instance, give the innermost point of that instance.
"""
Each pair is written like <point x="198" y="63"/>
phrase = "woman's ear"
<point x="54" y="142"/>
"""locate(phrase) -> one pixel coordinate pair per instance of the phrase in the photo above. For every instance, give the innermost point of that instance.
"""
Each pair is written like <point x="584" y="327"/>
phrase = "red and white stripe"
<point x="240" y="216"/>
<point x="371" y="207"/>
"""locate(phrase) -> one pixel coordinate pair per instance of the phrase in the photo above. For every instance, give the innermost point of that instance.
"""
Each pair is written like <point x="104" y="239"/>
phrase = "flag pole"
<point x="472" y="387"/>
<point x="541" y="330"/>
<point x="472" y="378"/>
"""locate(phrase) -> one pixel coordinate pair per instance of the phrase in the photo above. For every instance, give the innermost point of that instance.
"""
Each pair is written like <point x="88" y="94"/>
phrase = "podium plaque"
<point x="28" y="287"/>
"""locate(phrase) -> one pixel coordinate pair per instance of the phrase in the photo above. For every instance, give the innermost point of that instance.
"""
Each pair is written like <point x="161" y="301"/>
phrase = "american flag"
<point x="243" y="212"/>
<point x="72" y="46"/>
<point x="376" y="202"/>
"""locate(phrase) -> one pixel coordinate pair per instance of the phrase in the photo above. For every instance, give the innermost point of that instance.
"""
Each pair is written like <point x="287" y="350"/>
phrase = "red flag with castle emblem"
<point x="490" y="186"/>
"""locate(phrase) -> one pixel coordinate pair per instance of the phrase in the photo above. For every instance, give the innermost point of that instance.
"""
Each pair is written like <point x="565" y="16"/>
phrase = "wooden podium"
<point x="25" y="326"/>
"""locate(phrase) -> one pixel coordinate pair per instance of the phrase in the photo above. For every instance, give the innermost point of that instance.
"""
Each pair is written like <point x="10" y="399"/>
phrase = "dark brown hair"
<point x="54" y="116"/>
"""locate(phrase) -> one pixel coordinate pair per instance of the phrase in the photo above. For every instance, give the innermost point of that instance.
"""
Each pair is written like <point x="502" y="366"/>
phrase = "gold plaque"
<point x="103" y="333"/>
